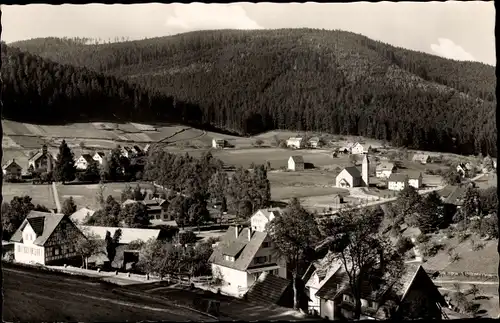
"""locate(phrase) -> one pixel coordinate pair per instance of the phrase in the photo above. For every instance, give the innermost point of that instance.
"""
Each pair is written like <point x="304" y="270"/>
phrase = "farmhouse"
<point x="385" y="169"/>
<point x="264" y="216"/>
<point x="124" y="258"/>
<point x="138" y="151"/>
<point x="421" y="158"/>
<point x="218" y="143"/>
<point x="314" y="142"/>
<point x="403" y="297"/>
<point x="464" y="169"/>
<point x="146" y="148"/>
<point x="99" y="157"/>
<point x="454" y="199"/>
<point x="296" y="163"/>
<point x="79" y="216"/>
<point x="126" y="152"/>
<point x="352" y="177"/>
<point x="295" y="142"/>
<point x="243" y="255"/>
<point x="84" y="161"/>
<point x="42" y="160"/>
<point x="416" y="181"/>
<point x="12" y="169"/>
<point x="46" y="238"/>
<point x="157" y="209"/>
<point x="353" y="148"/>
<point x="397" y="182"/>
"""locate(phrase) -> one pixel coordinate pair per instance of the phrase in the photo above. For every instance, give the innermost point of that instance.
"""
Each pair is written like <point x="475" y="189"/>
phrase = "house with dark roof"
<point x="84" y="161"/>
<point x="383" y="297"/>
<point x="157" y="209"/>
<point x="46" y="238"/>
<point x="397" y="182"/>
<point x="42" y="160"/>
<point x="296" y="163"/>
<point x="99" y="157"/>
<point x="242" y="255"/>
<point x="12" y="169"/>
<point x="314" y="142"/>
<point x="349" y="177"/>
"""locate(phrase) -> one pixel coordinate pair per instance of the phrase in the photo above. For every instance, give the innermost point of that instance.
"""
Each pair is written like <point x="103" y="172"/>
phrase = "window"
<point x="269" y="258"/>
<point x="260" y="260"/>
<point x="265" y="245"/>
<point x="347" y="298"/>
<point x="57" y="251"/>
<point x="228" y="258"/>
<point x="276" y="272"/>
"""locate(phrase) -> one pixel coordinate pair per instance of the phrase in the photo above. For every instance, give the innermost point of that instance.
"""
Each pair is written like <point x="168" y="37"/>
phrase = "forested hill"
<point x="304" y="79"/>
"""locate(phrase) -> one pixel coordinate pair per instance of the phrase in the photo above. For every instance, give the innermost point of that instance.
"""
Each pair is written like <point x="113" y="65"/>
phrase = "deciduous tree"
<point x="65" y="169"/>
<point x="69" y="206"/>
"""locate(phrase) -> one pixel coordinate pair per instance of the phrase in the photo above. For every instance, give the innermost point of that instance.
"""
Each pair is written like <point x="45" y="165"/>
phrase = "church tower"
<point x="365" y="167"/>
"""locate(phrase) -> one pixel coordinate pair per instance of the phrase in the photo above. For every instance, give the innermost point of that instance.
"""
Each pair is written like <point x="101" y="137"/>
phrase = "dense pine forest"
<point x="253" y="81"/>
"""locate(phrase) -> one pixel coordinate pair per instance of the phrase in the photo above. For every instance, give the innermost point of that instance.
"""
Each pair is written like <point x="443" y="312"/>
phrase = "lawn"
<point x="40" y="194"/>
<point x="487" y="181"/>
<point x="85" y="195"/>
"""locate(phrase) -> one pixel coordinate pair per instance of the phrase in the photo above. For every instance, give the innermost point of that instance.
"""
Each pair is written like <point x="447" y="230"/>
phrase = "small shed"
<point x="296" y="163"/>
<point x="218" y="143"/>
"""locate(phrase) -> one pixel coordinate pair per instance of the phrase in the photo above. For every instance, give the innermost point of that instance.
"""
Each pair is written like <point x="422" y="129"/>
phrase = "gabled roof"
<point x="9" y="163"/>
<point x="128" y="234"/>
<point x="268" y="288"/>
<point x="353" y="171"/>
<point x="81" y="214"/>
<point x="250" y="248"/>
<point x="39" y="154"/>
<point x="297" y="159"/>
<point x="43" y="223"/>
<point x="385" y="166"/>
<point x="295" y="138"/>
<point x="314" y="139"/>
<point x="420" y="157"/>
<point x="146" y="148"/>
<point x="88" y="158"/>
<point x="456" y="195"/>
<point x="398" y="177"/>
<point x="275" y="211"/>
<point x="100" y="153"/>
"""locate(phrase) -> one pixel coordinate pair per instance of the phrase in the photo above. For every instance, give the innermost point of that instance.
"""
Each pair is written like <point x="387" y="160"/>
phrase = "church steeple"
<point x="365" y="167"/>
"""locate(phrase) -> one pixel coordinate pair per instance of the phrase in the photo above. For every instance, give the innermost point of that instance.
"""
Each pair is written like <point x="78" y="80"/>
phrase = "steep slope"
<point x="333" y="81"/>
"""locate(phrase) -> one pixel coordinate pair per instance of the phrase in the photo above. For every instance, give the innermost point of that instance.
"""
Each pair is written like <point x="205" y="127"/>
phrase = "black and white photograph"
<point x="249" y="161"/>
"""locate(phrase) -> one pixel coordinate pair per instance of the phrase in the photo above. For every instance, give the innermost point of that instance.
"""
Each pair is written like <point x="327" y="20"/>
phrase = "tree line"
<point x="253" y="81"/>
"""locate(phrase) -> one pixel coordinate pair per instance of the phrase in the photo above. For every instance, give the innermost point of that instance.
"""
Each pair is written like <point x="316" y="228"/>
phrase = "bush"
<point x="430" y="249"/>
<point x="404" y="244"/>
<point x="186" y="237"/>
<point x="12" y="179"/>
<point x="422" y="238"/>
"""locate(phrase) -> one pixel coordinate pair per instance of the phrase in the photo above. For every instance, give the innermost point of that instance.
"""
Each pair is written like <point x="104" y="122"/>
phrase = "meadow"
<point x="40" y="194"/>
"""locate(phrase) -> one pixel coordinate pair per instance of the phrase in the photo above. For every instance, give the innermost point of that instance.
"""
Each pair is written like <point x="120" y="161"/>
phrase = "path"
<point x="56" y="197"/>
<point x="464" y="282"/>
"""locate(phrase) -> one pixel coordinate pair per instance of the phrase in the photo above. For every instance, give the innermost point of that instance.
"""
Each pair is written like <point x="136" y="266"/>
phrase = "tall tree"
<point x="14" y="213"/>
<point x="294" y="233"/>
<point x="364" y="254"/>
<point x="65" y="169"/>
<point x="431" y="213"/>
<point x="407" y="204"/>
<point x="69" y="206"/>
<point x="112" y="243"/>
<point x="135" y="215"/>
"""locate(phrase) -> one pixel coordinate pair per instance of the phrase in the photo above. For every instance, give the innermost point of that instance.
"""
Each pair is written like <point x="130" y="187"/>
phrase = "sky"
<point x="461" y="30"/>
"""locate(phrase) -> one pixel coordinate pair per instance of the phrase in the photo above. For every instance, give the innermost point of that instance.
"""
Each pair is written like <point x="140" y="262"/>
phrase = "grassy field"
<point x="484" y="261"/>
<point x="85" y="195"/>
<point x="40" y="194"/>
<point x="487" y="181"/>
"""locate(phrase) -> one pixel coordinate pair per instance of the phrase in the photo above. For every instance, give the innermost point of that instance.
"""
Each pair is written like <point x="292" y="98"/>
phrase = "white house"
<point x="84" y="161"/>
<point x="416" y="181"/>
<point x="262" y="217"/>
<point x="242" y="255"/>
<point x="45" y="238"/>
<point x="385" y="169"/>
<point x="397" y="182"/>
<point x="352" y="177"/>
<point x="218" y="143"/>
<point x="126" y="152"/>
<point x="314" y="142"/>
<point x="295" y="142"/>
<point x="12" y="168"/>
<point x="99" y="157"/>
<point x="421" y="158"/>
<point x="296" y="163"/>
<point x="353" y="148"/>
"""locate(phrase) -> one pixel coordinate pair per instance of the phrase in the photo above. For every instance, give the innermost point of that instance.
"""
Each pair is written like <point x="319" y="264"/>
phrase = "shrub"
<point x="404" y="244"/>
<point x="259" y="142"/>
<point x="430" y="249"/>
<point x="462" y="236"/>
<point x="422" y="238"/>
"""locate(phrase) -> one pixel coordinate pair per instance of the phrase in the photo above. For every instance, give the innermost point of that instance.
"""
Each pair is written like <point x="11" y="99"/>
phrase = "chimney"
<point x="249" y="233"/>
<point x="236" y="231"/>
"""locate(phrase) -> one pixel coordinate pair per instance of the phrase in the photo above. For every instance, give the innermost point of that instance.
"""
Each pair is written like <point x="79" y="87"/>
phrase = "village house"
<point x="243" y="254"/>
<point x="295" y="142"/>
<point x="296" y="163"/>
<point x="42" y="160"/>
<point x="416" y="181"/>
<point x="464" y="169"/>
<point x="218" y="143"/>
<point x="385" y="169"/>
<point x="99" y="157"/>
<point x="314" y="142"/>
<point x="157" y="209"/>
<point x="353" y="148"/>
<point x="84" y="161"/>
<point x="12" y="169"/>
<point x="453" y="199"/>
<point x="126" y="152"/>
<point x="79" y="216"/>
<point x="352" y="177"/>
<point x="391" y="298"/>
<point x="46" y="238"/>
<point x="124" y="258"/>
<point x="146" y="148"/>
<point x="138" y="151"/>
<point x="397" y="182"/>
<point x="421" y="158"/>
<point x="338" y="199"/>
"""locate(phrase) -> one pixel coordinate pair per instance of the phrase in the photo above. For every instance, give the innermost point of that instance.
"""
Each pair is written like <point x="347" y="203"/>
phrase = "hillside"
<point x="303" y="79"/>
